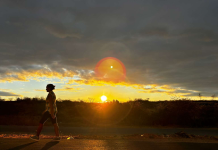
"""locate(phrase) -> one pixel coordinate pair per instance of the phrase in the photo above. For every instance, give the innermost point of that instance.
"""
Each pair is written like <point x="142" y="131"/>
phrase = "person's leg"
<point x="41" y="123"/>
<point x="39" y="129"/>
<point x="56" y="128"/>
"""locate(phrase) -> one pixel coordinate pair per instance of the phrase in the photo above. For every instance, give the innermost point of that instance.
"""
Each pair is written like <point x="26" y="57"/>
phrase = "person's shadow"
<point x="21" y="146"/>
<point x="49" y="145"/>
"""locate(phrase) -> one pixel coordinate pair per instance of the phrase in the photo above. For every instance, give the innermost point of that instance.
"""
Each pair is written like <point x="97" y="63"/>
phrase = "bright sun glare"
<point x="103" y="98"/>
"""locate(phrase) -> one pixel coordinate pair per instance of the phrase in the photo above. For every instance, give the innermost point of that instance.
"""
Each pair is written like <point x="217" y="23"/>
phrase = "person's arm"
<point x="51" y="106"/>
<point x="46" y="109"/>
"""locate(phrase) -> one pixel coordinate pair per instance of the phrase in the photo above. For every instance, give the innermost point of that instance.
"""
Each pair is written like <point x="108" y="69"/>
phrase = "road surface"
<point x="106" y="131"/>
<point x="83" y="144"/>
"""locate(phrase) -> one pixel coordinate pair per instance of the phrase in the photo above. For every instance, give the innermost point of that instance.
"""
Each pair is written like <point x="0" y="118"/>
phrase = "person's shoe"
<point x="57" y="138"/>
<point x="35" y="138"/>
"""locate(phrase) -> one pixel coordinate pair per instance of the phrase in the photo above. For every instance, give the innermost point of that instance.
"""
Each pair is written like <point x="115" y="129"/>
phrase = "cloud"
<point x="34" y="74"/>
<point x="3" y="93"/>
<point x="142" y="88"/>
<point x="162" y="43"/>
<point x="64" y="89"/>
<point x="60" y="32"/>
<point x="155" y="31"/>
<point x="199" y="35"/>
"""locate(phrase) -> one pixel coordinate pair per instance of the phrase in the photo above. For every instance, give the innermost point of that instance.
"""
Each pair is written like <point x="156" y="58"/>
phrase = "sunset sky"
<point x="169" y="48"/>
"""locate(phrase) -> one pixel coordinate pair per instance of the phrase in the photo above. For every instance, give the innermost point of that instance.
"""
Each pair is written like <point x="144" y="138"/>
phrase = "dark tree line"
<point x="177" y="113"/>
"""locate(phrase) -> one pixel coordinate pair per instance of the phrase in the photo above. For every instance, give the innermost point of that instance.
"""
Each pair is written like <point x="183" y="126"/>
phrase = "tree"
<point x="200" y="95"/>
<point x="2" y="99"/>
<point x="213" y="96"/>
<point x="91" y="100"/>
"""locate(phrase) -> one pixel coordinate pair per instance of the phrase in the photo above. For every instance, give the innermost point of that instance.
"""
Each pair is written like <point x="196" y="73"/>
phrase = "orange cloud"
<point x="146" y="88"/>
<point x="88" y="80"/>
<point x="150" y="88"/>
<point x="63" y="89"/>
<point x="95" y="82"/>
<point x="35" y="75"/>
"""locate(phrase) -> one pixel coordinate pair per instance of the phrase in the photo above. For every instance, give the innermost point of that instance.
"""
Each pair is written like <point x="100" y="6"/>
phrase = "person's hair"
<point x="51" y="86"/>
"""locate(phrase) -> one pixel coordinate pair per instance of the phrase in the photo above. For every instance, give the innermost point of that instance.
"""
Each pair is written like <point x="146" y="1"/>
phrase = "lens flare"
<point x="110" y="69"/>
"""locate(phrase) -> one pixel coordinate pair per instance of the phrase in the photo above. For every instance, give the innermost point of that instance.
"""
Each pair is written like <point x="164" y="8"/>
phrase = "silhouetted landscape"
<point x="139" y="112"/>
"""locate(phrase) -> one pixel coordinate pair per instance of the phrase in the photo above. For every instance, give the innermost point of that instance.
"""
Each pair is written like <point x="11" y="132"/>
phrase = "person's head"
<point x="50" y="87"/>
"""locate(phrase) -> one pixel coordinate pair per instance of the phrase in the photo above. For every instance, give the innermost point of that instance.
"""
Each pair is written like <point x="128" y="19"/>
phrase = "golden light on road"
<point x="103" y="98"/>
<point x="111" y="66"/>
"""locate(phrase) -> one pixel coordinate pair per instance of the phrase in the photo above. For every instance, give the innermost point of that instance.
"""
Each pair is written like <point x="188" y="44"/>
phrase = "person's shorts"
<point x="45" y="117"/>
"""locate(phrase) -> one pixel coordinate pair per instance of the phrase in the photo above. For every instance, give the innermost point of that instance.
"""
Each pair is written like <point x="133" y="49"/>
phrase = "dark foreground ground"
<point x="107" y="138"/>
<point x="86" y="144"/>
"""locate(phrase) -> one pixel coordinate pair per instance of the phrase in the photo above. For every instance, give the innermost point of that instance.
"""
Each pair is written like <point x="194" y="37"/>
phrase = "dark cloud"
<point x="2" y="93"/>
<point x="159" y="42"/>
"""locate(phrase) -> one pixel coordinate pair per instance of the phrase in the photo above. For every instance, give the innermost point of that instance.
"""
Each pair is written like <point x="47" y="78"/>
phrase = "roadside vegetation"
<point x="138" y="112"/>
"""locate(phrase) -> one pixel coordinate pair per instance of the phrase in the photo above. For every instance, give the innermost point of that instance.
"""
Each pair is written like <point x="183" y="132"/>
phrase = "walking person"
<point x="50" y="112"/>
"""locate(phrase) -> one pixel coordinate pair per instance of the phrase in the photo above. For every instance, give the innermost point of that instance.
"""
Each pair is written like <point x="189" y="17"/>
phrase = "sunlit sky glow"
<point x="168" y="48"/>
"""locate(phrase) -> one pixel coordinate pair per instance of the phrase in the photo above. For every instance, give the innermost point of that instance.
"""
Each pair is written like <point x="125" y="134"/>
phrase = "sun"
<point x="103" y="98"/>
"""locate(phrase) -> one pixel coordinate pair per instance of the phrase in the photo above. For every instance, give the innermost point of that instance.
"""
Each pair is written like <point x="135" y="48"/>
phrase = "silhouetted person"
<point x="50" y="112"/>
